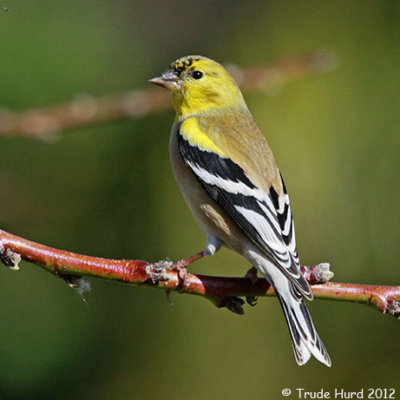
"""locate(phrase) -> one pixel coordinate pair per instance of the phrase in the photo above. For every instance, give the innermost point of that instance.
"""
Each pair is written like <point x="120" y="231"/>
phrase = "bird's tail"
<point x="305" y="338"/>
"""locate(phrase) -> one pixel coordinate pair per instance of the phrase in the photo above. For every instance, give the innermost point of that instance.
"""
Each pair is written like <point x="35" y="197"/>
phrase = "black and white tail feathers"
<point x="304" y="337"/>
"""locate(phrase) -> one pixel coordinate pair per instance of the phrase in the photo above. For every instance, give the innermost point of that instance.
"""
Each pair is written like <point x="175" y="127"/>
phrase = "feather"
<point x="265" y="217"/>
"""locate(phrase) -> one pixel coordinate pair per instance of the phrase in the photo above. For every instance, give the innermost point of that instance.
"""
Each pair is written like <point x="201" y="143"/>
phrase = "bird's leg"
<point x="252" y="275"/>
<point x="181" y="265"/>
<point x="213" y="244"/>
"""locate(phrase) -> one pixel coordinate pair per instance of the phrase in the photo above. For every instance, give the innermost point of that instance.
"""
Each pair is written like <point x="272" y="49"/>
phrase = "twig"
<point x="85" y="110"/>
<point x="222" y="291"/>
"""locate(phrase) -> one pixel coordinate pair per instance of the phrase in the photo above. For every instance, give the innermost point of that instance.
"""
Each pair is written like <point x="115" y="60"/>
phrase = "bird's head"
<point x="199" y="84"/>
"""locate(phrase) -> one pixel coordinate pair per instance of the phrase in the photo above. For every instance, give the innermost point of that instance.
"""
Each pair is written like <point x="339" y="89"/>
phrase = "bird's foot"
<point x="234" y="304"/>
<point x="252" y="300"/>
<point x="319" y="273"/>
<point x="181" y="266"/>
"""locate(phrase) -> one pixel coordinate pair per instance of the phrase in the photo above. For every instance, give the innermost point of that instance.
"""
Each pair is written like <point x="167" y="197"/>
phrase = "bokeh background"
<point x="107" y="190"/>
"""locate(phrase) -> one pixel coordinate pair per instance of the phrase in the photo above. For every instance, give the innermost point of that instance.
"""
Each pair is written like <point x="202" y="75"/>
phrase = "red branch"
<point x="222" y="291"/>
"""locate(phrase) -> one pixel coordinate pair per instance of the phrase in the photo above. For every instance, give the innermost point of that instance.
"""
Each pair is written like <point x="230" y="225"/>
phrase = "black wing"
<point x="266" y="218"/>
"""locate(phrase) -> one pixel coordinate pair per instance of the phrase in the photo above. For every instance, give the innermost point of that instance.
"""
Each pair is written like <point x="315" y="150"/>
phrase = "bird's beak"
<point x="168" y="80"/>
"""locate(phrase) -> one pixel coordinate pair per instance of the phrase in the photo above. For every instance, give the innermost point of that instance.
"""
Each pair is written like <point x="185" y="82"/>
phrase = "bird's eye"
<point x="197" y="74"/>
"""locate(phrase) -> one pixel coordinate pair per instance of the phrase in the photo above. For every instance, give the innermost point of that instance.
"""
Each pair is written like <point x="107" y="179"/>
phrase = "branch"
<point x="85" y="110"/>
<point x="222" y="291"/>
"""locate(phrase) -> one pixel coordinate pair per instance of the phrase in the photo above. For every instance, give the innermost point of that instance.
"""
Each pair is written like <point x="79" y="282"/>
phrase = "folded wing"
<point x="266" y="218"/>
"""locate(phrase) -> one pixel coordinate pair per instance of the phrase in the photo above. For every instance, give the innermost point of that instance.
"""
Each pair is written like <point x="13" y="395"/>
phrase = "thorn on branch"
<point x="9" y="258"/>
<point x="168" y="297"/>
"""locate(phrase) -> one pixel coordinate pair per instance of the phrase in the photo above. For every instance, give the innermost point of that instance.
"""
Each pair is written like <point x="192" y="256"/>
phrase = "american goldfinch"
<point x="229" y="178"/>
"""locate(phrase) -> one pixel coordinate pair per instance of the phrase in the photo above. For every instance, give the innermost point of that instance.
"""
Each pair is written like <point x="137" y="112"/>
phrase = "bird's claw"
<point x="181" y="266"/>
<point x="252" y="300"/>
<point x="181" y="269"/>
<point x="234" y="304"/>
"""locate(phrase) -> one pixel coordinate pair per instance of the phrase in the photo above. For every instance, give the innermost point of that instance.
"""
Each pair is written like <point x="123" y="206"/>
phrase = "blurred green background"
<point x="108" y="191"/>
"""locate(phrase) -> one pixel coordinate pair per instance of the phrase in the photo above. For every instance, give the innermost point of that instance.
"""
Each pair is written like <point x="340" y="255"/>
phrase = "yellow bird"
<point x="229" y="178"/>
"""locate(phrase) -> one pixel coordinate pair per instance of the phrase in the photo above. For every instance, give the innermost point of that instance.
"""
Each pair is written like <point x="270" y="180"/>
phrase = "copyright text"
<point x="368" y="393"/>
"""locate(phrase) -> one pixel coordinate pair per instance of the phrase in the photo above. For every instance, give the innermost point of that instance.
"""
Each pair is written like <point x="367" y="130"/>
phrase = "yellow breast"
<point x="191" y="131"/>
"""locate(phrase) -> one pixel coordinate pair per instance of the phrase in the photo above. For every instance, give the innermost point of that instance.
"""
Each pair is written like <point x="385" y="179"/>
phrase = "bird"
<point x="229" y="178"/>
